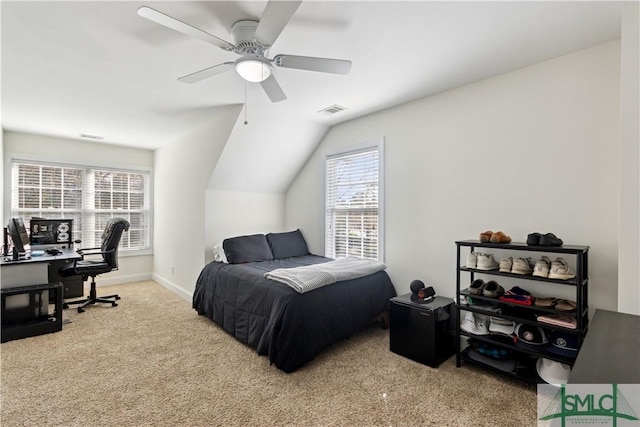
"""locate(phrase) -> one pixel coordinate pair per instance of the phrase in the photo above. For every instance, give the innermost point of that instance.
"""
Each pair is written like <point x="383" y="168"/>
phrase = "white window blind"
<point x="353" y="194"/>
<point x="89" y="196"/>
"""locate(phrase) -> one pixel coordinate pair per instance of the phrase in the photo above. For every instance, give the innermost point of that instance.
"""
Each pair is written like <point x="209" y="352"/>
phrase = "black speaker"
<point x="426" y="293"/>
<point x="415" y="286"/>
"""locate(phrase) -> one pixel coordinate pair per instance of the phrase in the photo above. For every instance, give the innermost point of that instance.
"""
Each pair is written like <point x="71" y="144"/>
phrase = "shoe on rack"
<point x="561" y="270"/>
<point x="546" y="302"/>
<point x="506" y="264"/>
<point x="541" y="269"/>
<point x="472" y="260"/>
<point x="499" y="237"/>
<point x="533" y="239"/>
<point x="492" y="289"/>
<point x="487" y="262"/>
<point x="522" y="266"/>
<point x="550" y="239"/>
<point x="476" y="287"/>
<point x="565" y="305"/>
<point x="538" y="239"/>
<point x="485" y="237"/>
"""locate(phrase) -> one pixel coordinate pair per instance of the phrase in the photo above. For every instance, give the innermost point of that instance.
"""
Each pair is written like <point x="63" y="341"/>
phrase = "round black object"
<point x="415" y="286"/>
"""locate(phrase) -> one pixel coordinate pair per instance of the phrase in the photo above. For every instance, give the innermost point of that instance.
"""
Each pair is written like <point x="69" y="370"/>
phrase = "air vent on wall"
<point x="96" y="137"/>
<point x="333" y="109"/>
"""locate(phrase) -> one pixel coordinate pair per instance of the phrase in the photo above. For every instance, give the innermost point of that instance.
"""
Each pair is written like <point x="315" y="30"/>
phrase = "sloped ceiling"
<point x="71" y="68"/>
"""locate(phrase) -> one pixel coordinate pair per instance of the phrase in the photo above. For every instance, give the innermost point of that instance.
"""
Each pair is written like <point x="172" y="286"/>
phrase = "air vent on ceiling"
<point x="96" y="137"/>
<point x="332" y="110"/>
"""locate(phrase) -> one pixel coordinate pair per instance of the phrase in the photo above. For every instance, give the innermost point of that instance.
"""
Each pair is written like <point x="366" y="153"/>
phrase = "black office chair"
<point x="91" y="268"/>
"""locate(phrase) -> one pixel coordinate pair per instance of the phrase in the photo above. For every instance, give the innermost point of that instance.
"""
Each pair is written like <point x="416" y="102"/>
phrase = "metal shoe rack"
<point x="525" y="314"/>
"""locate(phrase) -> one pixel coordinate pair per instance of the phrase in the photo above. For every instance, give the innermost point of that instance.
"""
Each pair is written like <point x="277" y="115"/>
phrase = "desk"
<point x="609" y="353"/>
<point x="39" y="270"/>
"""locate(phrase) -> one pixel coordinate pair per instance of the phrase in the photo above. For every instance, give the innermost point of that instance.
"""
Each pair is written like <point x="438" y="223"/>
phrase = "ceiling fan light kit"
<point x="252" y="39"/>
<point x="253" y="69"/>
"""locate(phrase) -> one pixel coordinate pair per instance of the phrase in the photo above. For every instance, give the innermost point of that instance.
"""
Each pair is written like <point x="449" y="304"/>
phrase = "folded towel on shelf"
<point x="518" y="295"/>
<point x="564" y="320"/>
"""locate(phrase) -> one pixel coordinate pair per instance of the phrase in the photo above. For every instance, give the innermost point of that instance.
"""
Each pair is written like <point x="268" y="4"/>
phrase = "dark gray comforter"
<point x="289" y="327"/>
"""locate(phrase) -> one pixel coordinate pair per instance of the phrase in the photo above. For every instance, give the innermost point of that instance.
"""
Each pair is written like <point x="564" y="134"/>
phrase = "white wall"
<point x="182" y="170"/>
<point x="60" y="150"/>
<point x="235" y="213"/>
<point x="534" y="150"/>
<point x="629" y="229"/>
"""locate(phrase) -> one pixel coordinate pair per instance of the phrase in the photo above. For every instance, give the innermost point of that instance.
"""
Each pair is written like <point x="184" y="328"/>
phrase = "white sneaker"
<point x="472" y="260"/>
<point x="522" y="266"/>
<point x="487" y="262"/>
<point x="561" y="270"/>
<point x="541" y="269"/>
<point x="505" y="265"/>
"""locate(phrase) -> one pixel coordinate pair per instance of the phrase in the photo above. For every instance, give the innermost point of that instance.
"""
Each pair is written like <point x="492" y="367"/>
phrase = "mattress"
<point x="288" y="327"/>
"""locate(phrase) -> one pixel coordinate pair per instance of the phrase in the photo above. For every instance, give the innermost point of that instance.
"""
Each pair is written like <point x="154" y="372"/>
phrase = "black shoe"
<point x="550" y="239"/>
<point x="533" y="239"/>
<point x="477" y="287"/>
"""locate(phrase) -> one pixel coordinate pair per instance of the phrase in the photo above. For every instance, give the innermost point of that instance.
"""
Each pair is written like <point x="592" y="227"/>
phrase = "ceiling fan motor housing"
<point x="243" y="35"/>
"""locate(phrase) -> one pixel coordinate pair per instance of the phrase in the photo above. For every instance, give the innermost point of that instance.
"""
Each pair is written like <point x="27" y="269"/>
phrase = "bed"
<point x="288" y="326"/>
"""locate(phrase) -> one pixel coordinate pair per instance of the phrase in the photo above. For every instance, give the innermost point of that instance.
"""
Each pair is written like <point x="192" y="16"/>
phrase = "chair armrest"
<point x="87" y="249"/>
<point x="93" y="251"/>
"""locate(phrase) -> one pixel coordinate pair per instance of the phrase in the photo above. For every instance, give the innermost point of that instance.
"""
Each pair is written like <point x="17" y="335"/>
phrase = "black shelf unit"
<point x="517" y="312"/>
<point x="26" y="311"/>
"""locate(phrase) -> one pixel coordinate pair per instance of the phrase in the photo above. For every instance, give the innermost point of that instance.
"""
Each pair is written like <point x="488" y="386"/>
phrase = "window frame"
<point x="89" y="169"/>
<point x="370" y="144"/>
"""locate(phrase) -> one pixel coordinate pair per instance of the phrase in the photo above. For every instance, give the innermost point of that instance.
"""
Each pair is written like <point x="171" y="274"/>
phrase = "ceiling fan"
<point x="252" y="40"/>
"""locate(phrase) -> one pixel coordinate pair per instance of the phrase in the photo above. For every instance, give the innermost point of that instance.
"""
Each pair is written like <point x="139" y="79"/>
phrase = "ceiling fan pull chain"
<point x="245" y="104"/>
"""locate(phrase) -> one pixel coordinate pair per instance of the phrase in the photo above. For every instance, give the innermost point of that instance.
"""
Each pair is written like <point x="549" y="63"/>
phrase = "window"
<point x="89" y="196"/>
<point x="353" y="200"/>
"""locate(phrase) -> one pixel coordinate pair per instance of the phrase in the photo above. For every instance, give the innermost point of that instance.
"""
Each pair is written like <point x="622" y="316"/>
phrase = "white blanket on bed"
<point x="309" y="277"/>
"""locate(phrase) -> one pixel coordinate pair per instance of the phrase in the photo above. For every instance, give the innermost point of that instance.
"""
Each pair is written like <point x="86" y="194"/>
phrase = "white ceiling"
<point x="98" y="68"/>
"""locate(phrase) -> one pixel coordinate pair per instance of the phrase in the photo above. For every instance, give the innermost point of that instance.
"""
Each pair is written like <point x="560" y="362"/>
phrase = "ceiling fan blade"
<point x="324" y="65"/>
<point x="273" y="89"/>
<point x="181" y="27"/>
<point x="275" y="17"/>
<point x="206" y="73"/>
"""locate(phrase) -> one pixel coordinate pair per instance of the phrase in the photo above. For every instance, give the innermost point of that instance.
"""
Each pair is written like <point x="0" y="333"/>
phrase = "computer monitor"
<point x="57" y="232"/>
<point x="18" y="234"/>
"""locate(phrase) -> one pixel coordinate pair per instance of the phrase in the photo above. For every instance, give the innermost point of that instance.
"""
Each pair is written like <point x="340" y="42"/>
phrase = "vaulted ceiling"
<point x="97" y="68"/>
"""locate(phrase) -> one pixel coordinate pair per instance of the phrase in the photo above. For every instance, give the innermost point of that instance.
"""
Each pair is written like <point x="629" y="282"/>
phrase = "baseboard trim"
<point x="106" y="281"/>
<point x="181" y="292"/>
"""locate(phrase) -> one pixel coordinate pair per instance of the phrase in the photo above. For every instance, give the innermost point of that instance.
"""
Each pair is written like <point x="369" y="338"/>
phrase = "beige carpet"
<point x="152" y="361"/>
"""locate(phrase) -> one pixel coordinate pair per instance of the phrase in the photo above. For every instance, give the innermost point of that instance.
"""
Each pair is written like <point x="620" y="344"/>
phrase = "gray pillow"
<point x="241" y="249"/>
<point x="289" y="244"/>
